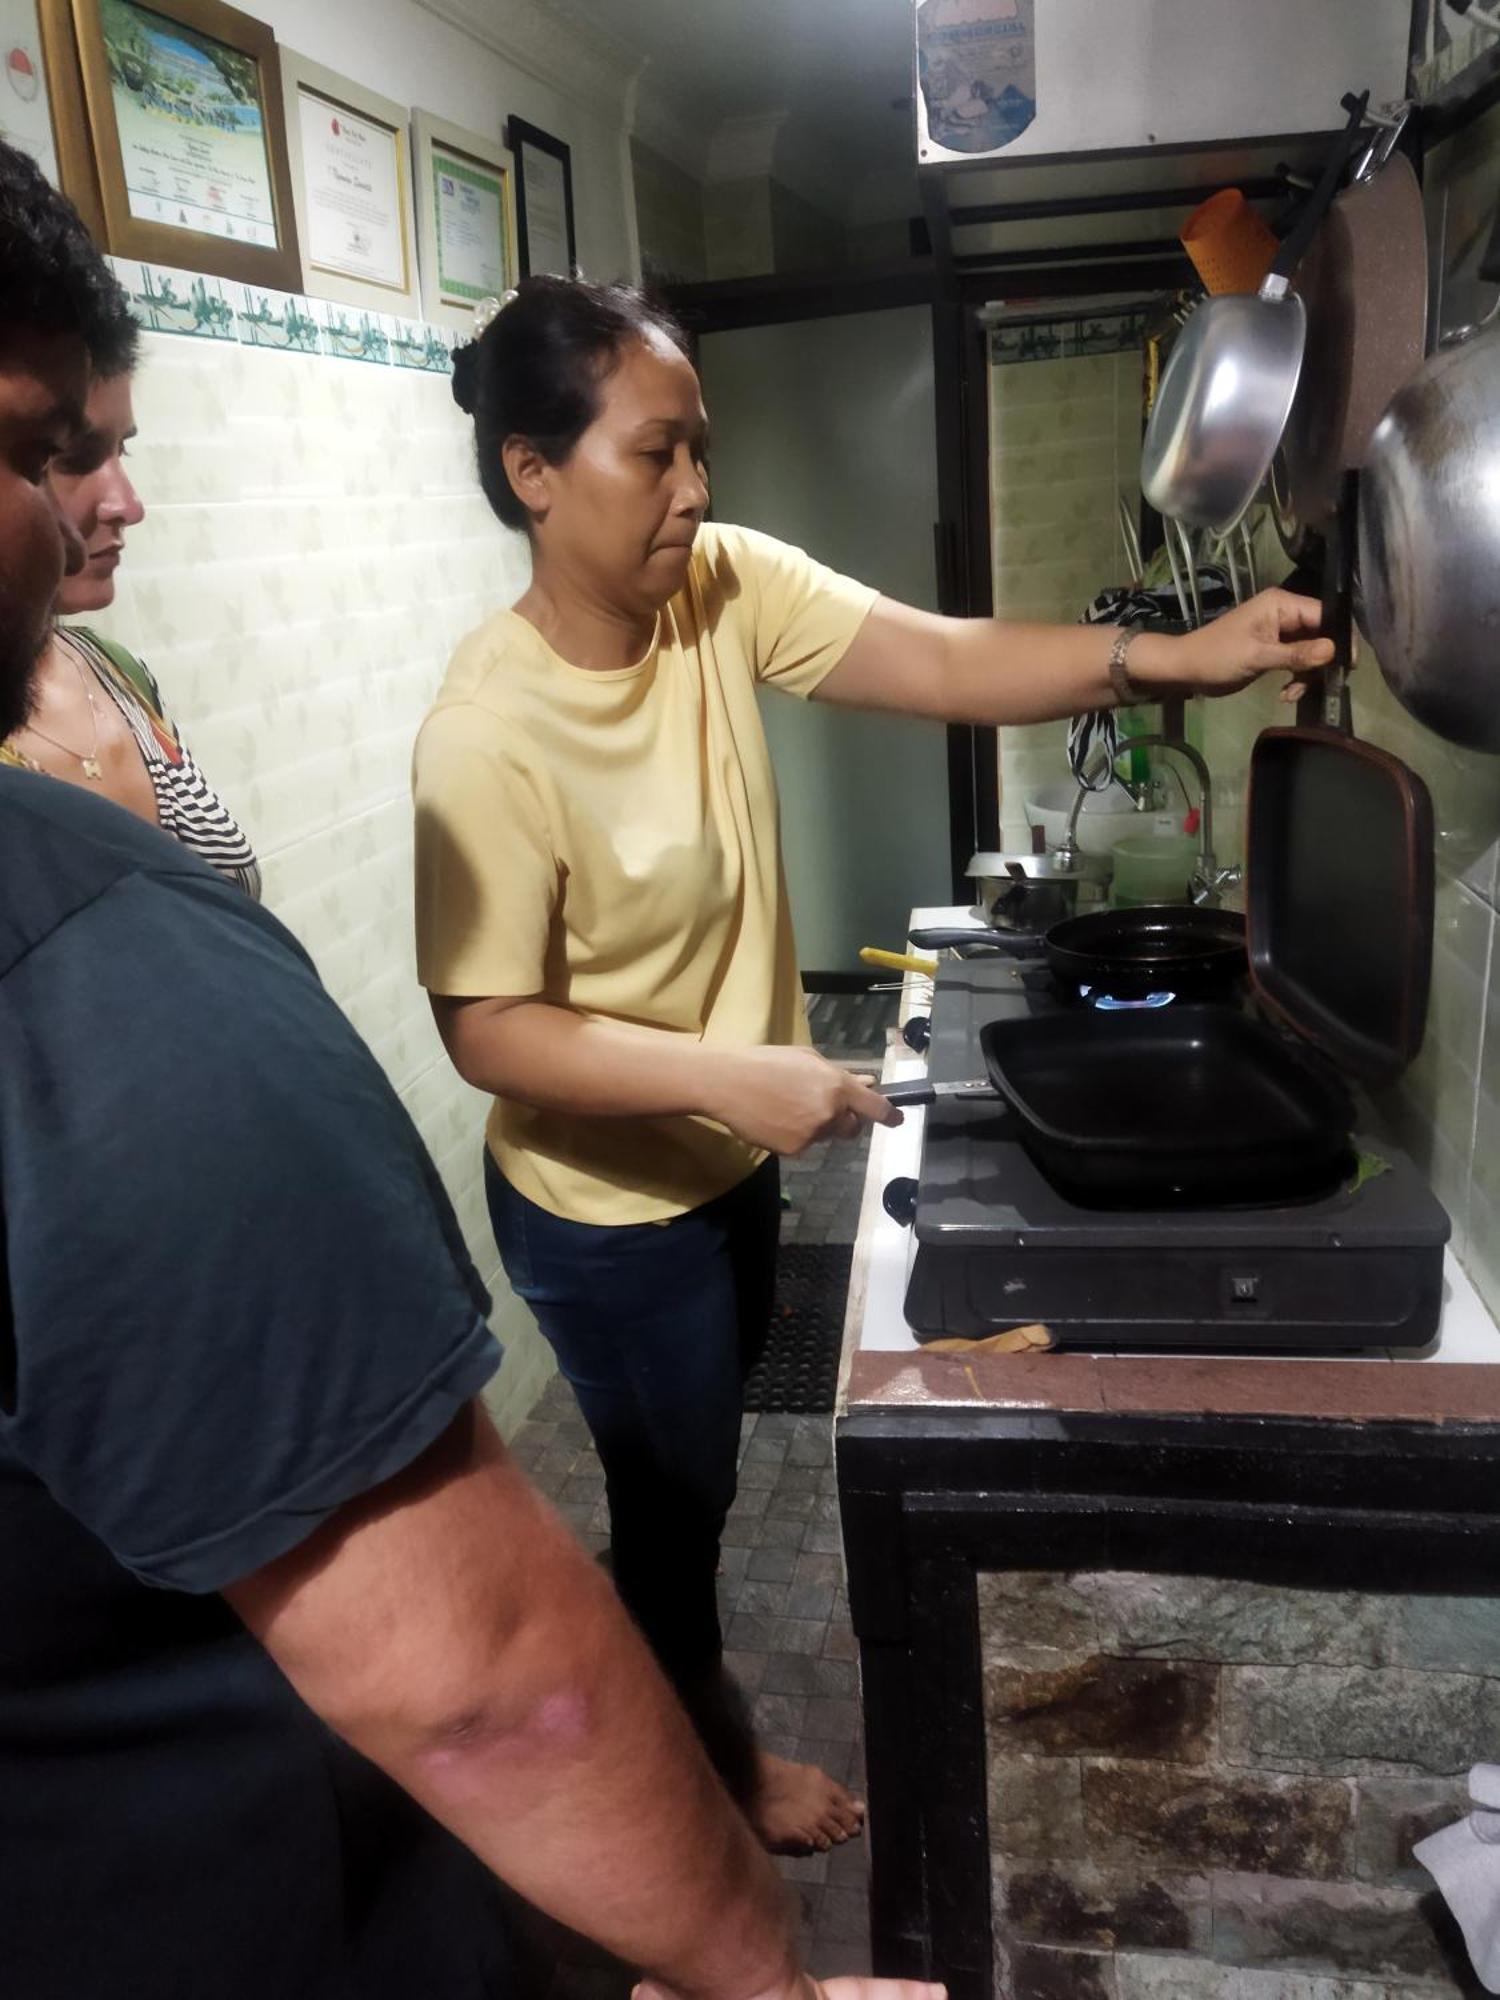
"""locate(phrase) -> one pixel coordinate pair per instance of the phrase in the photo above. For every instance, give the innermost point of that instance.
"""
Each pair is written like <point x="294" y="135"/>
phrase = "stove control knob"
<point x="900" y="1200"/>
<point x="917" y="1033"/>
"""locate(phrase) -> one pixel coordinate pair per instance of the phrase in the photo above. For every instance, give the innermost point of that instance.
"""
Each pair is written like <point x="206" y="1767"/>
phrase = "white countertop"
<point x="884" y="1249"/>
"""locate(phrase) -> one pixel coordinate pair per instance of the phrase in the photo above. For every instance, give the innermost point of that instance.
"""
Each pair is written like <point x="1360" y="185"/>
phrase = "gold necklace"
<point x="92" y="768"/>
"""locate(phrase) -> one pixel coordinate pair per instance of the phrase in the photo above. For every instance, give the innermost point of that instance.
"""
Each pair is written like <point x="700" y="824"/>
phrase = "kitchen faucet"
<point x="1209" y="880"/>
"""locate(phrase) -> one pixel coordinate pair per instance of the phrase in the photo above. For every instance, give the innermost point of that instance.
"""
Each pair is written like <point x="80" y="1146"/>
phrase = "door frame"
<point x="956" y="290"/>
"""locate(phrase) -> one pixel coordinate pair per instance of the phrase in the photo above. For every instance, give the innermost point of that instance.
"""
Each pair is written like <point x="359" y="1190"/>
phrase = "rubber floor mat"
<point x="799" y="1369"/>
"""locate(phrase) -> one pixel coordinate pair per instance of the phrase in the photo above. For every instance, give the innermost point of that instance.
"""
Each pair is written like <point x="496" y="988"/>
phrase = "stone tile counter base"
<point x="1208" y="1787"/>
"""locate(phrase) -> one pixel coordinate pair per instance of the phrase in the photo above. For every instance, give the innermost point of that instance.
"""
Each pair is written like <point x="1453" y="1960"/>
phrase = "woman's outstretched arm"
<point x="987" y="671"/>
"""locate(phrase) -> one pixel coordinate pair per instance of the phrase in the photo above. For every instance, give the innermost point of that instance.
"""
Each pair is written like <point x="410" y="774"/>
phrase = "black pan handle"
<point x="922" y="1090"/>
<point x="919" y="1091"/>
<point x="943" y="937"/>
<point x="1294" y="245"/>
<point x="1327" y="697"/>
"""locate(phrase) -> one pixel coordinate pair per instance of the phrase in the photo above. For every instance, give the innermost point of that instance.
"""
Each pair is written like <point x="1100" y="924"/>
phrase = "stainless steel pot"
<point x="1031" y="892"/>
<point x="1429" y="536"/>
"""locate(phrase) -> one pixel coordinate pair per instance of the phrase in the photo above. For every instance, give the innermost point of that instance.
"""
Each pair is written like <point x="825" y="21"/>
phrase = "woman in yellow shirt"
<point x="602" y="917"/>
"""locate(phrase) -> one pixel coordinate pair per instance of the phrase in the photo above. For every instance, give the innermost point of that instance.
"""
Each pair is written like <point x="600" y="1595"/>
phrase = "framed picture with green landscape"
<point x="466" y="218"/>
<point x="188" y="137"/>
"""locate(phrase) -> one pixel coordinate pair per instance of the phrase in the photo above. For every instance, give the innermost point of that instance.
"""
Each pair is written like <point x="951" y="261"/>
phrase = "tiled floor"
<point x="782" y="1599"/>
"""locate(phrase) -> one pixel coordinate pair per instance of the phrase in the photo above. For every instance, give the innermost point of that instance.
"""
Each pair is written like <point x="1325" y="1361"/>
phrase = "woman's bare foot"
<point x="801" y="1810"/>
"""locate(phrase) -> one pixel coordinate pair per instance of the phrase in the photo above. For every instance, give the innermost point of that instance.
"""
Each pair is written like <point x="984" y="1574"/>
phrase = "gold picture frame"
<point x="77" y="174"/>
<point x="351" y="187"/>
<point x="187" y="134"/>
<point x="466" y="218"/>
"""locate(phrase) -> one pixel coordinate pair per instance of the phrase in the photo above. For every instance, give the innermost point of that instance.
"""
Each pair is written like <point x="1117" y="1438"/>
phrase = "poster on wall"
<point x="25" y="106"/>
<point x="544" y="202"/>
<point x="976" y="68"/>
<point x="185" y="117"/>
<point x="466" y="218"/>
<point x="352" y="187"/>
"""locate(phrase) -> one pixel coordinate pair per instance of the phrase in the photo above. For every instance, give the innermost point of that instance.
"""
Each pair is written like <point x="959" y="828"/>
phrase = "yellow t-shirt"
<point x="609" y="841"/>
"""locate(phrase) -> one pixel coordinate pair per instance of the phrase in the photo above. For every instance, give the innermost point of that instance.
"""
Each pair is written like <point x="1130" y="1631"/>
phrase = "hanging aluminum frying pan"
<point x="1227" y="390"/>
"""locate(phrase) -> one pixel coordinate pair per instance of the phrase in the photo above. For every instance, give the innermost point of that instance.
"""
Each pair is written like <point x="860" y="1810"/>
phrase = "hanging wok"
<point x="1429" y="536"/>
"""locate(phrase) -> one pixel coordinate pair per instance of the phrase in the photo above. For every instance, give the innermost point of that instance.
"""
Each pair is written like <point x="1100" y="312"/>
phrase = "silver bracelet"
<point x="1127" y="694"/>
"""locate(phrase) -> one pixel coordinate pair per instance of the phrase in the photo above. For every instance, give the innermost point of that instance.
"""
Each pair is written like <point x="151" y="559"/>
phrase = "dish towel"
<point x="1464" y="1861"/>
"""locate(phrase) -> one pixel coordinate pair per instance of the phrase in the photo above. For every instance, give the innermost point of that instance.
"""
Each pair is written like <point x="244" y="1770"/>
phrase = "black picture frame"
<point x="520" y="137"/>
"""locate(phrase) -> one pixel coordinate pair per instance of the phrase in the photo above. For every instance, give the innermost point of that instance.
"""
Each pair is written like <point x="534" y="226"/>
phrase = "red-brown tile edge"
<point x="1342" y="1391"/>
<point x="983" y="1381"/>
<point x="1139" y="1385"/>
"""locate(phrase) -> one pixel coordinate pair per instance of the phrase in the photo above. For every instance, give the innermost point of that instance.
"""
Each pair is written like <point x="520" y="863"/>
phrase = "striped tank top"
<point x="187" y="806"/>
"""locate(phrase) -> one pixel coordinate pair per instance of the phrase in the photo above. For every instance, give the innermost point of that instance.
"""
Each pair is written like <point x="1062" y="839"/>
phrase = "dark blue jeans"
<point x="656" y="1326"/>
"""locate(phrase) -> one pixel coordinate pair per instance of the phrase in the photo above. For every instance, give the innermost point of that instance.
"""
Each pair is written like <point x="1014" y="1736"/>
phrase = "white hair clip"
<point x="487" y="312"/>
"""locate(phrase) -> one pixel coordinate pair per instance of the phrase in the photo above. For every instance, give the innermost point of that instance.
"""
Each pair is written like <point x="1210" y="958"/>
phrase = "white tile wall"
<point x="1064" y="442"/>
<point x="314" y="545"/>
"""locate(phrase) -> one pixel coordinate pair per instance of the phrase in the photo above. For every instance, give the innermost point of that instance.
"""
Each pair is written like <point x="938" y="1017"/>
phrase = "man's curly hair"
<point x="52" y="278"/>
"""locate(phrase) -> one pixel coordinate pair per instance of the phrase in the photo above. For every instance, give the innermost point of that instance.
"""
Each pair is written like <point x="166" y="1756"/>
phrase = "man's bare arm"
<point x="451" y="1629"/>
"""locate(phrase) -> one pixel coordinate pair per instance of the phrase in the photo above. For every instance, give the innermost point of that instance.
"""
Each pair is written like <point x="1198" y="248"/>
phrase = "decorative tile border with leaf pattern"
<point x="207" y="308"/>
<point x="1065" y="339"/>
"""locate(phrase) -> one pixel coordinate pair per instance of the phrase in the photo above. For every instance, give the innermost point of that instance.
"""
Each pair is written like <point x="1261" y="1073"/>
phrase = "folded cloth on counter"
<point x="1464" y="1861"/>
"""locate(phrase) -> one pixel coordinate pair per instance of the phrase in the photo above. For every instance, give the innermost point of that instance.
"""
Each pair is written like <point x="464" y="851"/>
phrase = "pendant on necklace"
<point x="92" y="768"/>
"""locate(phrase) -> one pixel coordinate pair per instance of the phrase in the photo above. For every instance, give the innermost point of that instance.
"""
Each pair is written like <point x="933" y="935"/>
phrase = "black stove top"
<point x="1352" y="1267"/>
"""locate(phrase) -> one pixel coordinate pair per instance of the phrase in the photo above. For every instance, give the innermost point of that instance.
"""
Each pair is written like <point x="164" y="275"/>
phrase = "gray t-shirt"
<point x="233" y="1296"/>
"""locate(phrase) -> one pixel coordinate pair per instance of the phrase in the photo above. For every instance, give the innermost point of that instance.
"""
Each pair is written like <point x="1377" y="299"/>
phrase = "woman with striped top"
<point x="97" y="718"/>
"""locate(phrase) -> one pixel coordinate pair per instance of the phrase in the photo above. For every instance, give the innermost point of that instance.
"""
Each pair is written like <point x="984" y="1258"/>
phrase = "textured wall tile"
<point x="1028" y="1616"/>
<point x="1460" y="1634"/>
<point x="1226" y="1619"/>
<point x="1143" y="1977"/>
<point x="1035" y="1974"/>
<point x="1087" y="1907"/>
<point x="1392" y="1814"/>
<point x="1336" y="1927"/>
<point x="1035" y="1808"/>
<point x="1161" y="1709"/>
<point x="1355" y="1719"/>
<point x="1197" y="1820"/>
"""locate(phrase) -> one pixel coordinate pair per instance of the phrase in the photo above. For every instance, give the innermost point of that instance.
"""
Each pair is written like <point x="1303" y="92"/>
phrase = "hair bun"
<point x="466" y="376"/>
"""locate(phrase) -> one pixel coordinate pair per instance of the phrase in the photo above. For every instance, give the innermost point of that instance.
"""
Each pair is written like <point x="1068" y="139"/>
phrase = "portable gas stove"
<point x="1355" y="1265"/>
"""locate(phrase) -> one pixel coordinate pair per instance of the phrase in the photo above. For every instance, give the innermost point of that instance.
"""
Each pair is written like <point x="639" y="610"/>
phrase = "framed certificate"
<point x="351" y="186"/>
<point x="544" y="202"/>
<point x="185" y="115"/>
<point x="466" y="218"/>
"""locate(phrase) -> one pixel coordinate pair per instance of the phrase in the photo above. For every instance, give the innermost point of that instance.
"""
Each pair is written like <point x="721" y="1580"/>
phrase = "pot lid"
<point x="1340" y="896"/>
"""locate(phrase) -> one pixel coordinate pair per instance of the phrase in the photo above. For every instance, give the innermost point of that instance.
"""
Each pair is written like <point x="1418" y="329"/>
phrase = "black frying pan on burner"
<point x="1162" y="948"/>
<point x="1194" y="1106"/>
